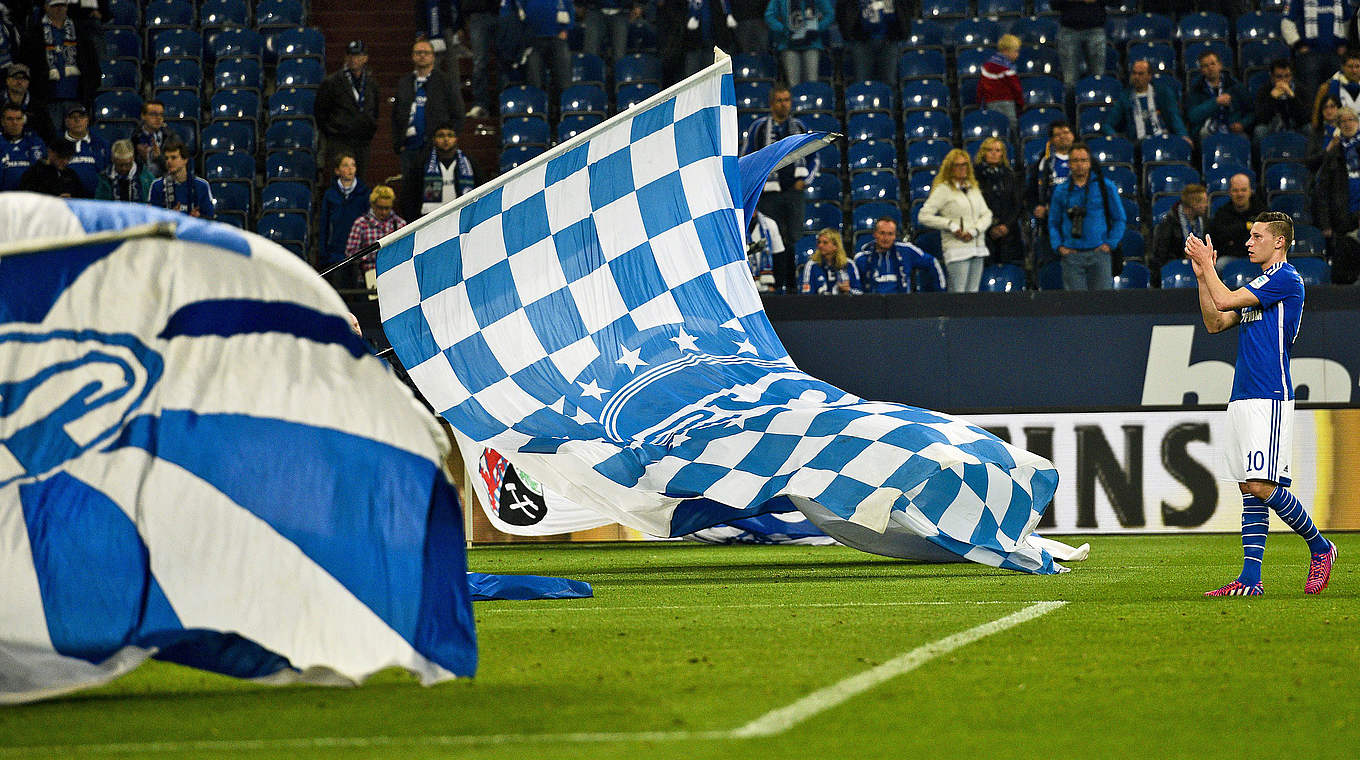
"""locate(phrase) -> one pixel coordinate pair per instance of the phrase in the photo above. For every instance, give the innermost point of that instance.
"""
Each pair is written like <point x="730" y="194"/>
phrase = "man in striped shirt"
<point x="1268" y="311"/>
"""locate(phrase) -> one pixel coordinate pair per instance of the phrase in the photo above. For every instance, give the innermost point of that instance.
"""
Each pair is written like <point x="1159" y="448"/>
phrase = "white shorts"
<point x="1260" y="440"/>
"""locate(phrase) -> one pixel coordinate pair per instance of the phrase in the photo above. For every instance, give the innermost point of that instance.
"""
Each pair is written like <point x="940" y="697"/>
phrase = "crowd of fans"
<point x="1058" y="189"/>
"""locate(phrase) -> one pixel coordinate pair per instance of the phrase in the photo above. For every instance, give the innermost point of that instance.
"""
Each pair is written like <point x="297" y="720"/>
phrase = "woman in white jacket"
<point x="957" y="209"/>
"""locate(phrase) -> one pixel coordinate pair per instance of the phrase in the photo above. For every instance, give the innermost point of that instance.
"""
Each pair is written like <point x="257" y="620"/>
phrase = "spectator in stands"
<point x="783" y="199"/>
<point x="479" y="24"/>
<point x="957" y="209"/>
<point x="998" y="89"/>
<point x="371" y="227"/>
<point x="829" y="271"/>
<point x="92" y="153"/>
<point x="707" y="23"/>
<point x="1216" y="102"/>
<point x="9" y="36"/>
<point x="549" y="22"/>
<point x="1322" y="131"/>
<point x="1316" y="32"/>
<point x="1146" y="109"/>
<point x="1081" y="38"/>
<point x="1336" y="197"/>
<point x="872" y="29"/>
<point x="150" y="136"/>
<point x="1280" y="105"/>
<point x="885" y="264"/>
<point x="1189" y="216"/>
<point x="752" y="35"/>
<point x="20" y="147"/>
<point x="345" y="200"/>
<point x="1001" y="189"/>
<point x="425" y="97"/>
<point x="53" y="176"/>
<point x="55" y="44"/>
<point x="125" y="179"/>
<point x="438" y="22"/>
<point x="604" y="26"/>
<point x="347" y="108"/>
<point x="1043" y="177"/>
<point x="763" y="243"/>
<point x="1344" y="85"/>
<point x="17" y="92"/>
<point x="1086" y="224"/>
<point x="448" y="172"/>
<point x="178" y="189"/>
<point x="1231" y="223"/>
<point x="797" y="29"/>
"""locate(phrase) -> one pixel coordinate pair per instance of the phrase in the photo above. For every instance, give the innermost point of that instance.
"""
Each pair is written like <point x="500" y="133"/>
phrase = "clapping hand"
<point x="1201" y="253"/>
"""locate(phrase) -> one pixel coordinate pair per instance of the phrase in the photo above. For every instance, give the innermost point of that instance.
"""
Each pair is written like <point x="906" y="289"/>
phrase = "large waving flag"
<point x="591" y="317"/>
<point x="200" y="462"/>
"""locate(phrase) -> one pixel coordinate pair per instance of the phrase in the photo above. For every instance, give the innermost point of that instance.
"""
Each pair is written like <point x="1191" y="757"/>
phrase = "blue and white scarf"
<point x="61" y="60"/>
<point x="1350" y="149"/>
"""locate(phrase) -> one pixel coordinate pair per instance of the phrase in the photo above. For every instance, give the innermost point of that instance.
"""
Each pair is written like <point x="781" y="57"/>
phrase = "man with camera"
<point x="1086" y="224"/>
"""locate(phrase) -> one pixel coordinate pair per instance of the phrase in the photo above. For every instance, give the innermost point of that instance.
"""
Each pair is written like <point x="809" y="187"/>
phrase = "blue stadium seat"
<point x="221" y="14"/>
<point x="1149" y="27"/>
<point x="869" y="96"/>
<point x="994" y="8"/>
<point x="1168" y="178"/>
<point x="752" y="96"/>
<point x="928" y="33"/>
<point x="1036" y="30"/>
<point x="124" y="43"/>
<point x="984" y="123"/>
<point x="925" y="95"/>
<point x="927" y="154"/>
<point x="927" y="125"/>
<point x="117" y="104"/>
<point x="297" y="42"/>
<point x="824" y="187"/>
<point x="1314" y="270"/>
<point x="169" y="14"/>
<point x="1161" y="56"/>
<point x="523" y="100"/>
<point x="290" y="134"/>
<point x="1002" y="278"/>
<point x="873" y="186"/>
<point x="976" y="32"/>
<point x="1123" y="178"/>
<point x="1038" y="61"/>
<point x="813" y="96"/>
<point x="286" y="195"/>
<point x="759" y="66"/>
<point x="863" y="217"/>
<point x="279" y="13"/>
<point x="125" y="14"/>
<point x="1297" y="205"/>
<point x="1256" y="55"/>
<point x="871" y="126"/>
<point x="944" y="8"/>
<point x="1239" y="272"/>
<point x="120" y="74"/>
<point x="820" y="215"/>
<point x="969" y="63"/>
<point x="1282" y="146"/>
<point x="1308" y="241"/>
<point x="236" y="43"/>
<point x="1258" y="25"/>
<point x="919" y="183"/>
<point x="238" y="73"/>
<point x="187" y="131"/>
<point x="1100" y="90"/>
<point x="829" y="159"/>
<point x="1132" y="245"/>
<point x="180" y="104"/>
<point x="1093" y="120"/>
<point x="1111" y="150"/>
<point x="628" y="95"/>
<point x="1226" y="148"/>
<point x="802" y="250"/>
<point x="283" y="226"/>
<point x="1050" y="276"/>
<point x="921" y="64"/>
<point x="177" y="74"/>
<point x="1216" y="176"/>
<point x="228" y="166"/>
<point x="872" y="154"/>
<point x="112" y="131"/>
<point x="572" y="125"/>
<point x="1286" y="177"/>
<point x="1161" y="204"/>
<point x="228" y="136"/>
<point x="292" y="103"/>
<point x="176" y="43"/>
<point x="237" y="105"/>
<point x="1134" y="276"/>
<point x="517" y="155"/>
<point x="1202" y="26"/>
<point x="638" y="67"/>
<point x="587" y="68"/>
<point x="820" y="122"/>
<point x="1042" y="90"/>
<point x="290" y="164"/>
<point x="299" y="72"/>
<point x="584" y="98"/>
<point x="1032" y="149"/>
<point x="233" y="200"/>
<point x="1178" y="274"/>
<point x="524" y="130"/>
<point x="1165" y="148"/>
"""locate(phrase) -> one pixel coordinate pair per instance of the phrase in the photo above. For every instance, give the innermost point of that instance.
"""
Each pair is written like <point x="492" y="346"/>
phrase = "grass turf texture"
<point x="693" y="638"/>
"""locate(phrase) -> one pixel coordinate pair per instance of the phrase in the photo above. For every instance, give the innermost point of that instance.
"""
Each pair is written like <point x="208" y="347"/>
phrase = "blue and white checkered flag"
<point x="201" y="462"/>
<point x="592" y="317"/>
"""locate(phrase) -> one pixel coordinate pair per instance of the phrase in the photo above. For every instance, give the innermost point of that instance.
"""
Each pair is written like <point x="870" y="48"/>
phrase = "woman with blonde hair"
<point x="1001" y="189"/>
<point x="829" y="270"/>
<point x="957" y="209"/>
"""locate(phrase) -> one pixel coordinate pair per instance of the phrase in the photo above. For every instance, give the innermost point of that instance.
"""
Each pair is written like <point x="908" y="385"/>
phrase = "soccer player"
<point x="1261" y="410"/>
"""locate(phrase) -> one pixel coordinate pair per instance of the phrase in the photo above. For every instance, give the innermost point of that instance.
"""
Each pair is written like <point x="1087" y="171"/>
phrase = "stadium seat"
<point x="112" y="131"/>
<point x="921" y="64"/>
<point x="1178" y="274"/>
<point x="1313" y="270"/>
<point x="241" y="105"/>
<point x="1134" y="276"/>
<point x="524" y="130"/>
<point x="1202" y="26"/>
<point x="1036" y="30"/>
<point x="117" y="104"/>
<point x="1161" y="56"/>
<point x="1161" y="204"/>
<point x="1258" y="25"/>
<point x="523" y="100"/>
<point x="1282" y="146"/>
<point x="863" y="217"/>
<point x="752" y="96"/>
<point x="1257" y="55"/>
<point x="1042" y="90"/>
<point x="176" y="43"/>
<point x="1111" y="150"/>
<point x="824" y="187"/>
<point x="228" y="166"/>
<point x="927" y="125"/>
<point x="292" y="103"/>
<point x="869" y="96"/>
<point x="299" y="72"/>
<point x="995" y="8"/>
<point x="298" y="42"/>
<point x="757" y="66"/>
<point x="571" y="125"/>
<point x="871" y="126"/>
<point x="187" y="132"/>
<point x="929" y="33"/>
<point x="516" y="155"/>
<point x="120" y="74"/>
<point x="1132" y="245"/>
<point x="927" y="154"/>
<point x="870" y="155"/>
<point x="587" y="68"/>
<point x="628" y="95"/>
<point x="1158" y="148"/>
<point x="169" y="14"/>
<point x="290" y="164"/>
<point x="180" y="104"/>
<point x="1297" y="205"/>
<point x="802" y="250"/>
<point x="813" y="96"/>
<point x="286" y="195"/>
<point x="125" y="14"/>
<point x="124" y="43"/>
<point x="1286" y="177"/>
<point x="1038" y="61"/>
<point x="1123" y="178"/>
<point x="1132" y="212"/>
<point x="1002" y="278"/>
<point x="279" y="13"/>
<point x="290" y="134"/>
<point x="1032" y="149"/>
<point x="1093" y="120"/>
<point x="584" y="99"/>
<point x="873" y="186"/>
<point x="968" y="97"/>
<point x="829" y="159"/>
<point x="820" y="215"/>
<point x="1050" y="276"/>
<point x="919" y="183"/>
<point x="925" y="95"/>
<point x="1239" y="272"/>
<point x="236" y="43"/>
<point x="820" y="122"/>
<point x="1216" y="177"/>
<point x="228" y="137"/>
<point x="233" y="200"/>
<point x="1168" y="178"/>
<point x="638" y="67"/>
<point x="985" y="123"/>
<point x="976" y="32"/>
<point x="238" y="73"/>
<point x="283" y="226"/>
<point x="1308" y="241"/>
<point x="177" y="74"/>
<point x="1149" y="27"/>
<point x="944" y="8"/>
<point x="221" y="14"/>
<point x="1099" y="90"/>
<point x="969" y="64"/>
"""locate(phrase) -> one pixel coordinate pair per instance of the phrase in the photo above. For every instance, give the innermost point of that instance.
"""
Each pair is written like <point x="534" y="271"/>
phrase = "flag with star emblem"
<point x="591" y="316"/>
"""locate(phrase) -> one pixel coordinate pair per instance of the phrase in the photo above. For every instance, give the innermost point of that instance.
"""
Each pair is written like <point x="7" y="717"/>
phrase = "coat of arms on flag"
<point x="591" y="317"/>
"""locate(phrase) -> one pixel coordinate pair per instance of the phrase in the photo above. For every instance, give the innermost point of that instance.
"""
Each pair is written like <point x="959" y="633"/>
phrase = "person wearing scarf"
<point x="1187" y="217"/>
<point x="763" y="243"/>
<point x="828" y="271"/>
<point x="178" y="189"/>
<point x="1336" y="200"/>
<point x="1145" y="109"/>
<point x="1344" y="85"/>
<point x="1001" y="189"/>
<point x="782" y="199"/>
<point x="1314" y="30"/>
<point x="62" y="60"/>
<point x="796" y="30"/>
<point x="448" y="172"/>
<point x="957" y="209"/>
<point x="125" y="180"/>
<point x="1216" y="102"/>
<point x="871" y="30"/>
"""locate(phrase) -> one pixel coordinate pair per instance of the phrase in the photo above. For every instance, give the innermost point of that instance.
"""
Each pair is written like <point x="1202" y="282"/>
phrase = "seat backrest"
<point x="1178" y="274"/>
<point x="292" y="103"/>
<point x="237" y="72"/>
<point x="299" y="72"/>
<point x="290" y="134"/>
<point x="117" y="104"/>
<point x="230" y="43"/>
<point x="637" y="67"/>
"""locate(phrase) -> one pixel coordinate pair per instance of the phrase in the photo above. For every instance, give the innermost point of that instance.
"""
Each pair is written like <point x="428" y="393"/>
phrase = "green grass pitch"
<point x="684" y="644"/>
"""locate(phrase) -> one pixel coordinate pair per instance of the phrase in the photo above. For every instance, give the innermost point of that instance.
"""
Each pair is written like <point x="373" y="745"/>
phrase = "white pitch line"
<point x="784" y="718"/>
<point x="710" y="607"/>
<point x="774" y="722"/>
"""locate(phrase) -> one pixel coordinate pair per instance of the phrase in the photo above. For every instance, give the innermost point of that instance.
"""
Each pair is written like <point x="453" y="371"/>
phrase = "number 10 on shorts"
<point x="1256" y="460"/>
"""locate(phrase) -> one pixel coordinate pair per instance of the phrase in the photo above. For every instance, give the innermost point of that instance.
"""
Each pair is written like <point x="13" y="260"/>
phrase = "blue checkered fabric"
<point x="592" y="316"/>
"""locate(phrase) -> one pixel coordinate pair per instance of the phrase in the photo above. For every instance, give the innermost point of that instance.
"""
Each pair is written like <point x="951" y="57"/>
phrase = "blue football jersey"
<point x="1266" y="335"/>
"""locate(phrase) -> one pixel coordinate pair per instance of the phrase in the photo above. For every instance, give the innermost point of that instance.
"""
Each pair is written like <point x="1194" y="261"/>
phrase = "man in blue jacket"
<point x="1216" y="102"/>
<point x="20" y="148"/>
<point x="1085" y="224"/>
<point x="885" y="263"/>
<point x="178" y="189"/>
